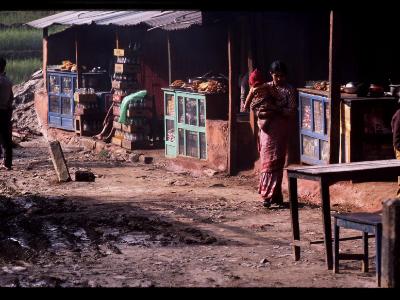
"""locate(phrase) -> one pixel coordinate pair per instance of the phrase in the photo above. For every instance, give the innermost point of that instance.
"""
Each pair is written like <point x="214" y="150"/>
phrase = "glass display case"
<point x="61" y="87"/>
<point x="314" y="128"/>
<point x="365" y="129"/>
<point x="170" y="123"/>
<point x="185" y="124"/>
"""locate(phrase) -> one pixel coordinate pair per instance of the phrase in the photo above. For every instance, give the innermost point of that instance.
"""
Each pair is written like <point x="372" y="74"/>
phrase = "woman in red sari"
<point x="273" y="139"/>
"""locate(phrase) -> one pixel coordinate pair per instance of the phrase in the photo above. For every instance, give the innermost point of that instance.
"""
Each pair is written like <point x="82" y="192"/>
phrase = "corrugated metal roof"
<point x="168" y="20"/>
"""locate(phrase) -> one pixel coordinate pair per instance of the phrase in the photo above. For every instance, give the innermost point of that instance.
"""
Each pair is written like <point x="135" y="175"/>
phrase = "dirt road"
<point x="143" y="225"/>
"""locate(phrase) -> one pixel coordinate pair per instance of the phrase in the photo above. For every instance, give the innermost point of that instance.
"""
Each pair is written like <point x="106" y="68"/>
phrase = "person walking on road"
<point x="6" y="98"/>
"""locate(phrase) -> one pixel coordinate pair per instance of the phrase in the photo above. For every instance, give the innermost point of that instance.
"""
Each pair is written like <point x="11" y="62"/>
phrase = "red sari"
<point x="272" y="143"/>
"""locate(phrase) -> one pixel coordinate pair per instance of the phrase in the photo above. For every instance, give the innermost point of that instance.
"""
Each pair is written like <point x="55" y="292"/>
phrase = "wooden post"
<point x="57" y="157"/>
<point x="233" y="47"/>
<point x="45" y="54"/>
<point x="391" y="244"/>
<point x="116" y="39"/>
<point x="250" y="65"/>
<point x="334" y="89"/>
<point x="169" y="58"/>
<point x="78" y="67"/>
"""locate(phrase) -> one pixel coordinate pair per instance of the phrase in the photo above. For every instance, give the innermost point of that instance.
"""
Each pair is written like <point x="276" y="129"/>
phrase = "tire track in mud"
<point x="37" y="225"/>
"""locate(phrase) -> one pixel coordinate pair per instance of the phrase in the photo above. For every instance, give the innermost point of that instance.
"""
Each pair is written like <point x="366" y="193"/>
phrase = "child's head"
<point x="256" y="78"/>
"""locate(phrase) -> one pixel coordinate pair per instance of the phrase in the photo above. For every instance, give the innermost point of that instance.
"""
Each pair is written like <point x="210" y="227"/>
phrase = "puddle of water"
<point x="136" y="239"/>
<point x="81" y="233"/>
<point x="55" y="237"/>
<point x="110" y="232"/>
<point x="20" y="242"/>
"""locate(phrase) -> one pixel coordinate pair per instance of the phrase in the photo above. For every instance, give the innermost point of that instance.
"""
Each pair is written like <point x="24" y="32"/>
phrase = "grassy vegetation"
<point x="18" y="39"/>
<point x="20" y="70"/>
<point x="20" y="16"/>
<point x="21" y="45"/>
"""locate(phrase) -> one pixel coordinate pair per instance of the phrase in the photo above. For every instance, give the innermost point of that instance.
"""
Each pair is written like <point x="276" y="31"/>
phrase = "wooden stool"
<point x="367" y="223"/>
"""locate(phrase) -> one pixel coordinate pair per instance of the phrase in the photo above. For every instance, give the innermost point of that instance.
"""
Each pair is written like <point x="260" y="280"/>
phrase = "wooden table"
<point x="327" y="175"/>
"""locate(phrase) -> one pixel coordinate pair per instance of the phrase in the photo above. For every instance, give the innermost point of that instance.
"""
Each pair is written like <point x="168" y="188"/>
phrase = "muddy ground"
<point x="143" y="225"/>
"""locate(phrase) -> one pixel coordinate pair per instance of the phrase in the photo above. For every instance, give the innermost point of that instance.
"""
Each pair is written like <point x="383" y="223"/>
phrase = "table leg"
<point x="378" y="256"/>
<point x="336" y="242"/>
<point x="365" y="260"/>
<point x="326" y="219"/>
<point x="294" y="213"/>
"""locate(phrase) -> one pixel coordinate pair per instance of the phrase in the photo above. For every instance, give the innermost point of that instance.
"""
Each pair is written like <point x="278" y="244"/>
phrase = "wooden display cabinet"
<point x="314" y="128"/>
<point x="60" y="88"/>
<point x="365" y="130"/>
<point x="185" y="115"/>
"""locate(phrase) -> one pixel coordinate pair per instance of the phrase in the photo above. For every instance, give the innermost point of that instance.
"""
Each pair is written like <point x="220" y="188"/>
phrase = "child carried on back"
<point x="260" y="96"/>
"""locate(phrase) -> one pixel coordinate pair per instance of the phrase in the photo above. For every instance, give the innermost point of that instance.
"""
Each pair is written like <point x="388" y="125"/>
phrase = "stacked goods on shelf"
<point x="207" y="86"/>
<point x="117" y="138"/>
<point x="209" y="83"/>
<point x="126" y="68"/>
<point x="135" y="120"/>
<point x="131" y="110"/>
<point x="124" y="82"/>
<point x="87" y="117"/>
<point x="68" y="66"/>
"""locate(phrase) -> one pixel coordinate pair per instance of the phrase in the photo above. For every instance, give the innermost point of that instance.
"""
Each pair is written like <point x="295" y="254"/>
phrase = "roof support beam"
<point x="77" y="62"/>
<point x="169" y="58"/>
<point x="233" y="61"/>
<point x="250" y="30"/>
<point x="116" y="39"/>
<point x="334" y="87"/>
<point x="45" y="54"/>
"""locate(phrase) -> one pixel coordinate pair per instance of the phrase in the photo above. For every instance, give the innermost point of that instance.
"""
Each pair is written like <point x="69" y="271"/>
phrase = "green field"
<point x="20" y="39"/>
<point x="20" y="16"/>
<point x="20" y="70"/>
<point x="20" y="44"/>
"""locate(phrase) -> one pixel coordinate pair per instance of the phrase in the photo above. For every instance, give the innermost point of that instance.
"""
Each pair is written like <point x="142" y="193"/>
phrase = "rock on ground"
<point x="24" y="116"/>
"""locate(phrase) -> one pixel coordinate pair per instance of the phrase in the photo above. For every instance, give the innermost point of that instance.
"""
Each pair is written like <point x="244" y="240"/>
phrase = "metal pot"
<point x="376" y="90"/>
<point x="350" y="88"/>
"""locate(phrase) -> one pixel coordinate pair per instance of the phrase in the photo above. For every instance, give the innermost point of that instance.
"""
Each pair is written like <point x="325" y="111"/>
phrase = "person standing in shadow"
<point x="6" y="99"/>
